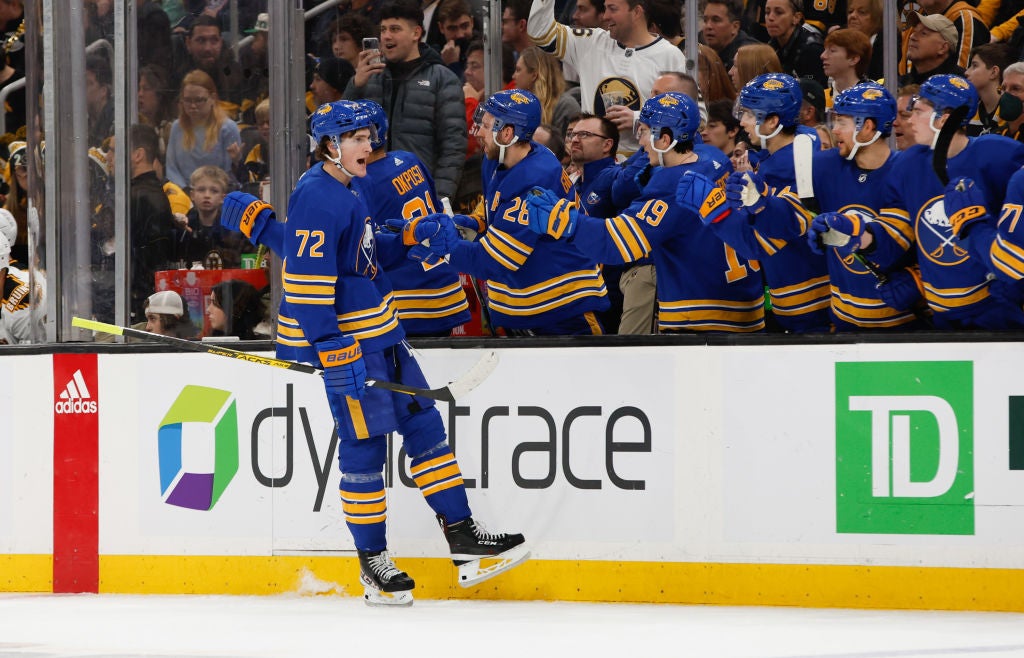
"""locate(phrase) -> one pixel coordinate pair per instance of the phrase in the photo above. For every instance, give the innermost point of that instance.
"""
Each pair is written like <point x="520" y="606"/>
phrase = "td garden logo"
<point x="198" y="447"/>
<point x="904" y="448"/>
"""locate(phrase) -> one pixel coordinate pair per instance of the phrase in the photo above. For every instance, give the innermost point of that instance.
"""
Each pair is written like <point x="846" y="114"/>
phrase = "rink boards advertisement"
<point x="804" y="474"/>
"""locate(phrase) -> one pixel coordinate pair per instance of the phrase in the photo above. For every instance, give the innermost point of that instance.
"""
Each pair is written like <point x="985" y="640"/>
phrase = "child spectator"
<point x="203" y="236"/>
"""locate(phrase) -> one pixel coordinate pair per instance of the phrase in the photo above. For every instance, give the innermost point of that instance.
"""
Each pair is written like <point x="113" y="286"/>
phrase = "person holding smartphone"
<point x="422" y="98"/>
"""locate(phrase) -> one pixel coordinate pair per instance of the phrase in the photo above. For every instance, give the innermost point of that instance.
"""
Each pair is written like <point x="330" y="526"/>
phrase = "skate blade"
<point x="376" y="598"/>
<point x="476" y="571"/>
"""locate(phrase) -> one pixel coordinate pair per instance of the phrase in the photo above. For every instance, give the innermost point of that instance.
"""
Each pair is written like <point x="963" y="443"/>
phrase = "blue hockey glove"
<point x="903" y="289"/>
<point x="745" y="190"/>
<point x="698" y="194"/>
<point x="246" y="213"/>
<point x="436" y="232"/>
<point x="550" y="214"/>
<point x="965" y="205"/>
<point x="344" y="369"/>
<point x="469" y="227"/>
<point x="832" y="229"/>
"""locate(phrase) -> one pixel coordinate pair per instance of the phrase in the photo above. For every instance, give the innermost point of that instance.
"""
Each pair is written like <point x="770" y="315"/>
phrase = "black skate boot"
<point x="383" y="582"/>
<point x="471" y="545"/>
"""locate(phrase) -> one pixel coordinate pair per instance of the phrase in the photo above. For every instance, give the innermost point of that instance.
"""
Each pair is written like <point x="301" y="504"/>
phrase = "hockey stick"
<point x="945" y="138"/>
<point x="834" y="238"/>
<point x="454" y="390"/>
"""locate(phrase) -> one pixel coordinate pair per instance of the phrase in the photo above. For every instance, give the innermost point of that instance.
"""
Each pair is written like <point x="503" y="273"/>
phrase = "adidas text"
<point x="75" y="407"/>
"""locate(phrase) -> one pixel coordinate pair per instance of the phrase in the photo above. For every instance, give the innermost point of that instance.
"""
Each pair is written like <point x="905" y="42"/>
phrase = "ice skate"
<point x="383" y="582"/>
<point x="479" y="554"/>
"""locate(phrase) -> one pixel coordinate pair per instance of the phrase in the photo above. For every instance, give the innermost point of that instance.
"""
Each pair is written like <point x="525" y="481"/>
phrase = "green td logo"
<point x="904" y="448"/>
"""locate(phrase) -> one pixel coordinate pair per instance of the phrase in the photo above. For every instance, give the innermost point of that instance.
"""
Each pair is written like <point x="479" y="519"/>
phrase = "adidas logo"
<point x="399" y="163"/>
<point x="423" y="83"/>
<point x="75" y="398"/>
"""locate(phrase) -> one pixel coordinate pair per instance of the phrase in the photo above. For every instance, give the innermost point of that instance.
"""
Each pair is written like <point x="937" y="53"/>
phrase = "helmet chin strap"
<point x="661" y="152"/>
<point x="857" y="145"/>
<point x="502" y="147"/>
<point x="337" y="161"/>
<point x="935" y="130"/>
<point x="764" y="138"/>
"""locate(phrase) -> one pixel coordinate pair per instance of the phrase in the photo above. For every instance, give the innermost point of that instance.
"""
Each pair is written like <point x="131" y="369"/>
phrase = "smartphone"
<point x="373" y="43"/>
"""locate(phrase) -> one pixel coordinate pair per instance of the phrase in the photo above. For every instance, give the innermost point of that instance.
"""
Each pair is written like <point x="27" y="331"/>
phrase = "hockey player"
<point x="535" y="286"/>
<point x="797" y="279"/>
<point x="703" y="286"/>
<point x="626" y="58"/>
<point x="955" y="284"/>
<point x="429" y="297"/>
<point x="848" y="179"/>
<point x="1000" y="245"/>
<point x="337" y="310"/>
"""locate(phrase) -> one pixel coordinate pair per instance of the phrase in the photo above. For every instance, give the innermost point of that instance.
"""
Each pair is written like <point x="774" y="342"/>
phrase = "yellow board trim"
<point x="822" y="586"/>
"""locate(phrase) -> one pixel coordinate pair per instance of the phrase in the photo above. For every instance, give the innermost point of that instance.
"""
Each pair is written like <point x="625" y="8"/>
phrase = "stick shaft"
<point x="445" y="393"/>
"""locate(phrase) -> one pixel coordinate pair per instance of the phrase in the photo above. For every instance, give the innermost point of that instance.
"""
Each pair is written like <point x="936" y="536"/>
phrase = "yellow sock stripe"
<point x="436" y="462"/>
<point x="436" y="475"/>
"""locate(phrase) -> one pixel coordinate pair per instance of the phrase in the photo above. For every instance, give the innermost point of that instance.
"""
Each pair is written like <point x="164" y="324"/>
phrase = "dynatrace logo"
<point x="198" y="447"/>
<point x="904" y="448"/>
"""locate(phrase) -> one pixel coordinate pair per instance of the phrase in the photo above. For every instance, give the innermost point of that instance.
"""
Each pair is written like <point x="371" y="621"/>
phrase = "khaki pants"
<point x="639" y="300"/>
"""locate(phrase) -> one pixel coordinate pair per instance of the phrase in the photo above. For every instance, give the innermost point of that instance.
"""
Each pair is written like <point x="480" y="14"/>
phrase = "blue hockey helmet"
<point x="948" y="92"/>
<point x="673" y="111"/>
<point x="773" y="93"/>
<point x="379" y="120"/>
<point x="337" y="118"/>
<point x="867" y="100"/>
<point x="517" y="108"/>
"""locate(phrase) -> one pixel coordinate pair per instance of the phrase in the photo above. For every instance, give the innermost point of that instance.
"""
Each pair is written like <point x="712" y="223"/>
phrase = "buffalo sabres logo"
<point x="871" y="94"/>
<point x="324" y="109"/>
<point x="668" y="101"/>
<point x="850" y="262"/>
<point x="934" y="235"/>
<point x="593" y="198"/>
<point x="959" y="83"/>
<point x="772" y="84"/>
<point x="366" y="260"/>
<point x="519" y="97"/>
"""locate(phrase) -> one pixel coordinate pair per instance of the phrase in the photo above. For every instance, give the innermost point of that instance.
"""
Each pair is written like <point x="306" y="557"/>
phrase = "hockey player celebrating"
<point x="535" y="286"/>
<point x="703" y="286"/>
<point x="955" y="284"/>
<point x="338" y="311"/>
<point x="429" y="297"/>
<point x="847" y="180"/>
<point x="769" y="107"/>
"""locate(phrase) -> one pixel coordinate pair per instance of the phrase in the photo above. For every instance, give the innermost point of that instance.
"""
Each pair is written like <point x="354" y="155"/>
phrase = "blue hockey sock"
<point x="438" y="476"/>
<point x="365" y="506"/>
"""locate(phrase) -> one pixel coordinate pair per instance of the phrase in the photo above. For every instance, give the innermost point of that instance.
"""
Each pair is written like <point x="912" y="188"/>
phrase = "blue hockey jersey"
<point x="702" y="285"/>
<point x="429" y="298"/>
<point x="912" y="212"/>
<point x="840" y="186"/>
<point x="532" y="280"/>
<point x="332" y="281"/>
<point x="797" y="278"/>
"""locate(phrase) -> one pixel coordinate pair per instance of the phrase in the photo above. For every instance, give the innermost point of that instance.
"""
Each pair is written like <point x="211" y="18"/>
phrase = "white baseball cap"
<point x="167" y="302"/>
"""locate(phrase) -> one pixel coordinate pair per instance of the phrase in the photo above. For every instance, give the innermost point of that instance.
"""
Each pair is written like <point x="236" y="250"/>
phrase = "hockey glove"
<point x="903" y="290"/>
<point x="550" y="214"/>
<point x="643" y="177"/>
<point x="698" y="194"/>
<point x="344" y="369"/>
<point x="965" y="205"/>
<point x="246" y="213"/>
<point x="469" y="227"/>
<point x="832" y="229"/>
<point x="435" y="232"/>
<point x="747" y="191"/>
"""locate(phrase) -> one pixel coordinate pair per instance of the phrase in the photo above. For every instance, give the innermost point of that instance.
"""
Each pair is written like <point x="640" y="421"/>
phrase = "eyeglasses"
<point x="581" y="134"/>
<point x="196" y="101"/>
